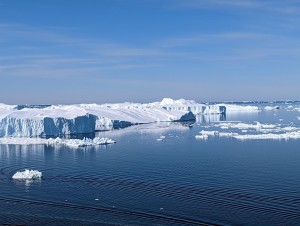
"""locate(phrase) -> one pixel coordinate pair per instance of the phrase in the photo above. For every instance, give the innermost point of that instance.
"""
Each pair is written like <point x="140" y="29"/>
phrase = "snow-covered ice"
<point x="27" y="175"/>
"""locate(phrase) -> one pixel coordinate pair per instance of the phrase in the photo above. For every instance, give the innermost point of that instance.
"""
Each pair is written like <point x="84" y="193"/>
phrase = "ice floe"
<point x="244" y="126"/>
<point x="269" y="136"/>
<point x="161" y="138"/>
<point x="57" y="141"/>
<point x="248" y="131"/>
<point x="27" y="174"/>
<point x="270" y="108"/>
<point x="202" y="136"/>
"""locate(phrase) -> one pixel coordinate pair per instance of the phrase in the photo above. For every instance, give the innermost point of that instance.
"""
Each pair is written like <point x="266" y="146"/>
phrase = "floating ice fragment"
<point x="57" y="141"/>
<point x="200" y="136"/>
<point x="209" y="133"/>
<point x="224" y="134"/>
<point x="269" y="108"/>
<point x="27" y="175"/>
<point x="269" y="136"/>
<point x="244" y="126"/>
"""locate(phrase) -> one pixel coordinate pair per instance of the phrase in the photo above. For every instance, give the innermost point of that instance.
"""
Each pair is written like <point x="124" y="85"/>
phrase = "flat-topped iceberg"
<point x="27" y="175"/>
<point x="86" y="118"/>
<point x="44" y="122"/>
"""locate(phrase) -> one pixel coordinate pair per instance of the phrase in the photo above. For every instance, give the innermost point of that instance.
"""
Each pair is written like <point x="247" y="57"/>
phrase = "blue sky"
<point x="87" y="51"/>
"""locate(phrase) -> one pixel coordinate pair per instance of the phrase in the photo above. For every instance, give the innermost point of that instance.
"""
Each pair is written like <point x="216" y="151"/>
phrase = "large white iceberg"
<point x="27" y="175"/>
<point x="86" y="118"/>
<point x="44" y="122"/>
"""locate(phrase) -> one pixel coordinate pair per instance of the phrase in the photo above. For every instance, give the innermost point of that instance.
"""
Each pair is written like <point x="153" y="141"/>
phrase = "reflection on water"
<point x="22" y="151"/>
<point x="27" y="183"/>
<point x="206" y="119"/>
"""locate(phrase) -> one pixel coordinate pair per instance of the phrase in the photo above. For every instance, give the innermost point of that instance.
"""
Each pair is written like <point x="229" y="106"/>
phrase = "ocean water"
<point x="178" y="180"/>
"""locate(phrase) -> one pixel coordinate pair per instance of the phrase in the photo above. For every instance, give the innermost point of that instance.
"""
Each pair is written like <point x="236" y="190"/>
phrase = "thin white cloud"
<point x="66" y="55"/>
<point x="285" y="7"/>
<point x="216" y="37"/>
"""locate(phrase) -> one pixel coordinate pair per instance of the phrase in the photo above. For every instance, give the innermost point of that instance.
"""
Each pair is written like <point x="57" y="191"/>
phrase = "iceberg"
<point x="27" y="175"/>
<point x="192" y="106"/>
<point x="55" y="120"/>
<point x="45" y="122"/>
<point x="233" y="108"/>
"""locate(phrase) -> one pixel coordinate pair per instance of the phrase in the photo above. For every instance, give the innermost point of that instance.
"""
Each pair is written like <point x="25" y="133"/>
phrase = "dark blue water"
<point x="142" y="181"/>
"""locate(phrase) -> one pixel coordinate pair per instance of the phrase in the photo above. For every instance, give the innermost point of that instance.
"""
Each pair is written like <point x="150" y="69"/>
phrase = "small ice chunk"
<point x="230" y="134"/>
<point x="161" y="138"/>
<point x="27" y="175"/>
<point x="269" y="108"/>
<point x="202" y="136"/>
<point x="209" y="133"/>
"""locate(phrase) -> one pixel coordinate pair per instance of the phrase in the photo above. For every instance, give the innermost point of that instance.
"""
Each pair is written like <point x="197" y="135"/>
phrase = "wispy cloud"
<point x="38" y="53"/>
<point x="288" y="6"/>
<point x="216" y="37"/>
<point x="31" y="52"/>
<point x="222" y="3"/>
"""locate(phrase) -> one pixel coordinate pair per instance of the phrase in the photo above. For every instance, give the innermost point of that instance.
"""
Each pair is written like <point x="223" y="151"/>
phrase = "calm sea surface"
<point x="142" y="181"/>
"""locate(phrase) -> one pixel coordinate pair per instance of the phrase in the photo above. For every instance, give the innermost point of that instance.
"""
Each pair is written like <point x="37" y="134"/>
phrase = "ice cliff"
<point x="45" y="122"/>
